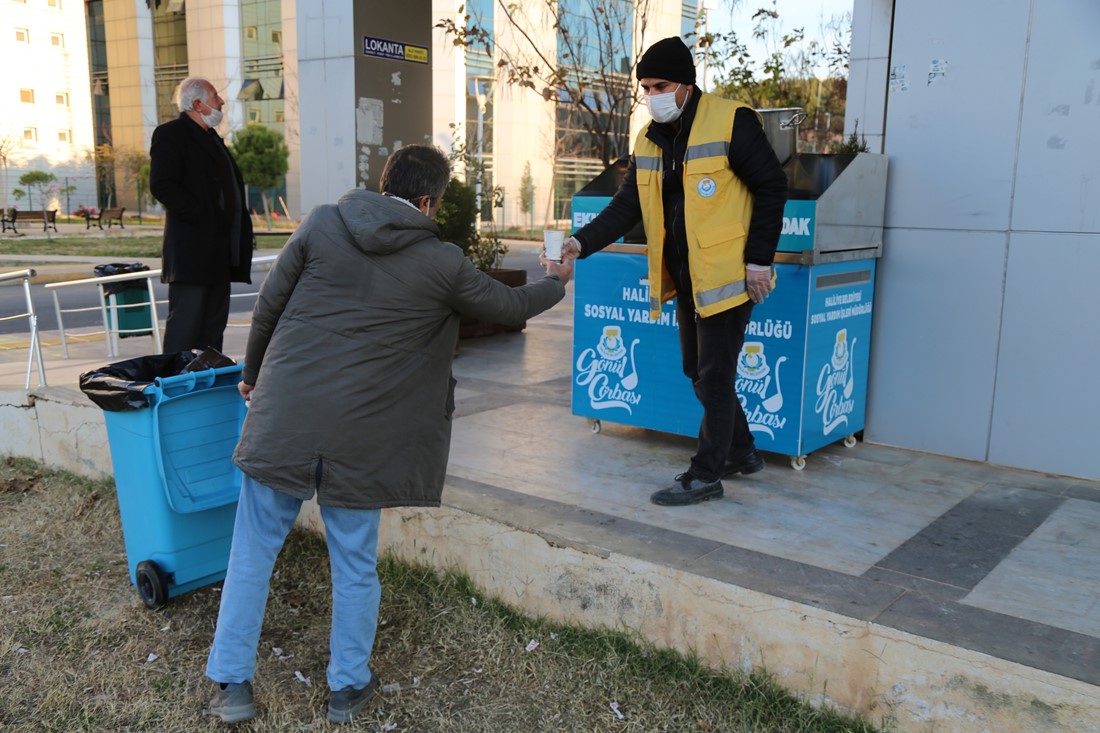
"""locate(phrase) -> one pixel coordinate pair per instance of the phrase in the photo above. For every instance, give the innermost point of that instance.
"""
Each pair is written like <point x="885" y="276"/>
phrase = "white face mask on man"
<point x="662" y="107"/>
<point x="213" y="119"/>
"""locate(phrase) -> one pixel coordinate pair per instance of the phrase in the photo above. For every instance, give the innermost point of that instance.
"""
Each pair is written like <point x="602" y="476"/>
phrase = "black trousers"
<point x="197" y="315"/>
<point x="710" y="348"/>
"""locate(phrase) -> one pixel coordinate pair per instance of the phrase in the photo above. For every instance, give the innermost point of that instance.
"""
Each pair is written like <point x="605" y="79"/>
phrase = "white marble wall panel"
<point x="1046" y="413"/>
<point x="953" y="114"/>
<point x="934" y="340"/>
<point x="326" y="55"/>
<point x="1057" y="181"/>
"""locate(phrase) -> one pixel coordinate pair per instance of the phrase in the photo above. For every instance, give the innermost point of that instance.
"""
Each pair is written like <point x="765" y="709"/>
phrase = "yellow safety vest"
<point x="717" y="212"/>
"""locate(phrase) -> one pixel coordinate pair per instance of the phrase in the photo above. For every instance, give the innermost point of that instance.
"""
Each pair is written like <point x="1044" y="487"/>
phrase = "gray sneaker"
<point x="347" y="703"/>
<point x="233" y="702"/>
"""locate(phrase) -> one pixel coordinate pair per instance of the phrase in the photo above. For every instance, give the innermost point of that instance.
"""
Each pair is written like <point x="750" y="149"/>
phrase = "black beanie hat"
<point x="668" y="59"/>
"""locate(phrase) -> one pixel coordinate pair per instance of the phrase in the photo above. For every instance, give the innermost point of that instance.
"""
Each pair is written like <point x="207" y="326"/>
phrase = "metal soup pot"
<point x="781" y="129"/>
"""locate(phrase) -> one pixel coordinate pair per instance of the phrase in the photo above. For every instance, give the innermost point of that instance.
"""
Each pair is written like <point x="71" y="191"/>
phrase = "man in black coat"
<point x="208" y="238"/>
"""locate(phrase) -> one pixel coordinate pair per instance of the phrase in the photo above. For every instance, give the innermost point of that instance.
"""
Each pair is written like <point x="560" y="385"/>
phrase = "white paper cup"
<point x="552" y="240"/>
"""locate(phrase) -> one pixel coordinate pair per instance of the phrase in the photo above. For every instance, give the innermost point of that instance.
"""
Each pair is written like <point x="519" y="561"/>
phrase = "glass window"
<point x="64" y="136"/>
<point x="57" y="39"/>
<point x="30" y="134"/>
<point x="62" y="99"/>
<point x="276" y="36"/>
<point x="254" y="115"/>
<point x="54" y="4"/>
<point x="279" y="117"/>
<point x="26" y="95"/>
<point x="250" y="33"/>
<point x="22" y="35"/>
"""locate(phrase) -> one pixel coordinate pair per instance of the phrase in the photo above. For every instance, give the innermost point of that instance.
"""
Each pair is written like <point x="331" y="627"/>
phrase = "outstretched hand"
<point x="570" y="249"/>
<point x="563" y="269"/>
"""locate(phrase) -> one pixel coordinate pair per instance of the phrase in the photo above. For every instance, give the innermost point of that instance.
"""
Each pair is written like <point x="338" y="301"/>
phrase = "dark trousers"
<point x="710" y="348"/>
<point x="197" y="315"/>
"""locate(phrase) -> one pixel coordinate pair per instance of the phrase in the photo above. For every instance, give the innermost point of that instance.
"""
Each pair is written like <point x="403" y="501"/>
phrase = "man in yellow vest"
<point x="709" y="190"/>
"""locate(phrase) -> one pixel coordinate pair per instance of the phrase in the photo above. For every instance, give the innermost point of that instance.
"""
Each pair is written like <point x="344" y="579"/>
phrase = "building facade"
<point x="292" y="66"/>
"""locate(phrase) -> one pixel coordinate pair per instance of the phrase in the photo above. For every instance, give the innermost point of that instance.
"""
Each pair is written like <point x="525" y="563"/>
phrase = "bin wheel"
<point x="798" y="462"/>
<point x="850" y="441"/>
<point x="151" y="584"/>
<point x="595" y="426"/>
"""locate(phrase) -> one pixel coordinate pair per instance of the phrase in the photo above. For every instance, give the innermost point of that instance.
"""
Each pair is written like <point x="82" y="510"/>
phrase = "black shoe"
<point x="688" y="490"/>
<point x="746" y="463"/>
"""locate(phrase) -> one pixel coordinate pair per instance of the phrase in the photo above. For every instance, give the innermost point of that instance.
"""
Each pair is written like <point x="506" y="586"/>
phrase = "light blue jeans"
<point x="264" y="517"/>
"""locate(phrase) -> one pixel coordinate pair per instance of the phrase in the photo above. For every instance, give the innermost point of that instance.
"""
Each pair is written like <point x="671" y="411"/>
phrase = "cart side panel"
<point x="626" y="367"/>
<point x="837" y="351"/>
<point x="771" y="365"/>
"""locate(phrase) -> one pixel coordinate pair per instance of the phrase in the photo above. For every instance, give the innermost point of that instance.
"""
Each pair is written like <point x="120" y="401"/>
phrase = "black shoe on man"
<point x="688" y="490"/>
<point x="748" y="462"/>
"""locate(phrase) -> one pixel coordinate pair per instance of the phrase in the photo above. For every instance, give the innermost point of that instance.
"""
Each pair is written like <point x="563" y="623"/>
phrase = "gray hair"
<point x="190" y="89"/>
<point x="415" y="171"/>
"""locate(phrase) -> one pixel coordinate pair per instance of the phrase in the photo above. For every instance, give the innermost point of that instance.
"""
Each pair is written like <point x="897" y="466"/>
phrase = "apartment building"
<point x="46" y="107"/>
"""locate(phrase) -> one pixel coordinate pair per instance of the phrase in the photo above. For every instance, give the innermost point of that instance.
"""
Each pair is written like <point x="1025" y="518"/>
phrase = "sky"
<point x="810" y="15"/>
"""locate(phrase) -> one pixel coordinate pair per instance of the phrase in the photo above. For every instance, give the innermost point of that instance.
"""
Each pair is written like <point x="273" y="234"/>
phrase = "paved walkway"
<point x="989" y="559"/>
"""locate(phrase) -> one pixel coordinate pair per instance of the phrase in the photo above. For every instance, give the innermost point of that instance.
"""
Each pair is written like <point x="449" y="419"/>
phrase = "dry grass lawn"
<point x="80" y="652"/>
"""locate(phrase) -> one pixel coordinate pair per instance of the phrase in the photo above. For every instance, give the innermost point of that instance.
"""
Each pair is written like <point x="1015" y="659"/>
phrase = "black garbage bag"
<point x="118" y="387"/>
<point x="120" y="268"/>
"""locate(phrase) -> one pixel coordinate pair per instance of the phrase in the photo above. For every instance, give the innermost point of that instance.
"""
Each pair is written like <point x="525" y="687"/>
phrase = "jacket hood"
<point x="383" y="224"/>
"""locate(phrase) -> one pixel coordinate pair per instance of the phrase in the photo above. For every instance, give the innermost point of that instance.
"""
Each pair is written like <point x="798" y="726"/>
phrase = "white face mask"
<point x="662" y="107"/>
<point x="214" y="118"/>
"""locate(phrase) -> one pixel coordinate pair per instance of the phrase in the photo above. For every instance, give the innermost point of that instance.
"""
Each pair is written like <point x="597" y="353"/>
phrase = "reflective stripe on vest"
<point x="707" y="150"/>
<point x="648" y="162"/>
<point x="717" y="295"/>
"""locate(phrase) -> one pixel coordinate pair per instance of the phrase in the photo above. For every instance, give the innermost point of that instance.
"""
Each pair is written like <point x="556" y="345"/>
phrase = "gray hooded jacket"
<point x="350" y="353"/>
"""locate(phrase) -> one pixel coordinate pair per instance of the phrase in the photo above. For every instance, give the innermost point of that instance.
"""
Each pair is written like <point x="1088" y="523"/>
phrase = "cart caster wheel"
<point x="595" y="426"/>
<point x="798" y="462"/>
<point x="151" y="584"/>
<point x="850" y="441"/>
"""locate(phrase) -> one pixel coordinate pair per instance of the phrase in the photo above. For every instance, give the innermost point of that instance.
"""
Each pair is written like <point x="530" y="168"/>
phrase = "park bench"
<point x="48" y="218"/>
<point x="106" y="215"/>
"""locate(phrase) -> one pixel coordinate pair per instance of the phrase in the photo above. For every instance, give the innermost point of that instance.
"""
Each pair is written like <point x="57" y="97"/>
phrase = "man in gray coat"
<point x="348" y="378"/>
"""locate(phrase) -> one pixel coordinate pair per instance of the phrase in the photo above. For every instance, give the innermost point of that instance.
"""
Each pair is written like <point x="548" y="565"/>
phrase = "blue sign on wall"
<point x="394" y="50"/>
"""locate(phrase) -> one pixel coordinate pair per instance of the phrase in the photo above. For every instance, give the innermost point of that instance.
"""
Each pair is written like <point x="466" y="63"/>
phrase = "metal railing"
<point x="109" y="307"/>
<point x="34" y="355"/>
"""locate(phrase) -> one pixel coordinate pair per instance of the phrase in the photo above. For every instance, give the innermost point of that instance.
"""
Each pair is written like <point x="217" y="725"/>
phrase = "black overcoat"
<point x="186" y="176"/>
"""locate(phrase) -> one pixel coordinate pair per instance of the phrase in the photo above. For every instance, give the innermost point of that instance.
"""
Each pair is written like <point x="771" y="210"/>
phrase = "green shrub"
<point x="457" y="215"/>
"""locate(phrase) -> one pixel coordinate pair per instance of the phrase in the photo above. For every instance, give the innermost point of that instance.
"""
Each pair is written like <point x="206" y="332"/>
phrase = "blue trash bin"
<point x="176" y="481"/>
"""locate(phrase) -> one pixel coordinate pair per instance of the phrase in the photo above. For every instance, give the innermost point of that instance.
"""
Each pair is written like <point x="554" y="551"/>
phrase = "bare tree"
<point x="9" y="143"/>
<point x="587" y="74"/>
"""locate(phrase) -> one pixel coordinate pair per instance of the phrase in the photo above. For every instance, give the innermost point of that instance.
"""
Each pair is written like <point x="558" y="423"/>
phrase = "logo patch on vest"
<point x="707" y="187"/>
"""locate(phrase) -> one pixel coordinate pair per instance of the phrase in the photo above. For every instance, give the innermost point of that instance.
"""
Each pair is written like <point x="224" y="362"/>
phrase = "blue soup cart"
<point x="802" y="373"/>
